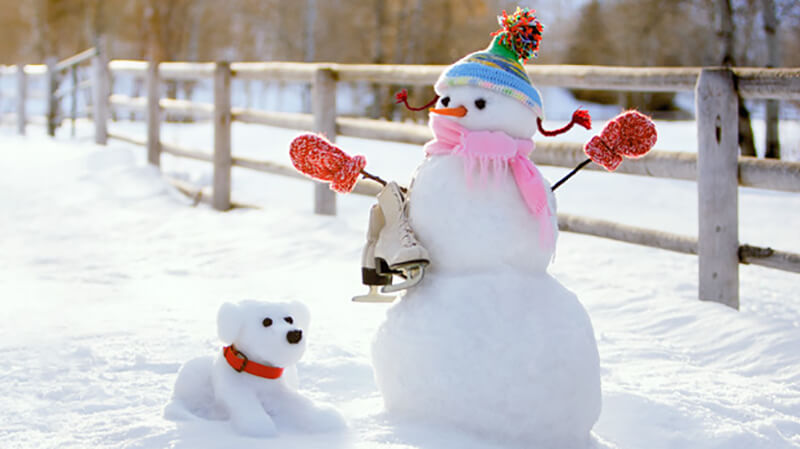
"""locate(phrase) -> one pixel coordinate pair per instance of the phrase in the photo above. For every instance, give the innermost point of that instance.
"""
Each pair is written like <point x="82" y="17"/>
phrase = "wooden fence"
<point x="716" y="167"/>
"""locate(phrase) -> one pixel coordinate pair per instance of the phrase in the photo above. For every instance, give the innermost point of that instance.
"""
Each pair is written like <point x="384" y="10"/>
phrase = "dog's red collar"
<point x="240" y="362"/>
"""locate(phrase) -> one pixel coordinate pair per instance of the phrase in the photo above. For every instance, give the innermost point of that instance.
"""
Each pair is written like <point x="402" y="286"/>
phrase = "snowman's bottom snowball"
<point x="511" y="357"/>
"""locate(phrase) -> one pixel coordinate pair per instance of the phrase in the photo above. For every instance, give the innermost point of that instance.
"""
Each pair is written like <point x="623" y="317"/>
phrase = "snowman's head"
<point x="489" y="90"/>
<point x="480" y="109"/>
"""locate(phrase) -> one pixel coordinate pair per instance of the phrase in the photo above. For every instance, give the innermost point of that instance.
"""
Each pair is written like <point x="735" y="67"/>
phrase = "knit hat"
<point x="500" y="66"/>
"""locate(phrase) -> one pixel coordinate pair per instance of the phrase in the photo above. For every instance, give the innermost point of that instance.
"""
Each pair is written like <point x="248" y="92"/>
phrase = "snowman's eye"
<point x="480" y="103"/>
<point x="445" y="101"/>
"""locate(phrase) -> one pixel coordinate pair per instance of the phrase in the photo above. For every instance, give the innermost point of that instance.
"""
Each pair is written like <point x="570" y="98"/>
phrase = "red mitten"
<point x="600" y="154"/>
<point x="637" y="134"/>
<point x="314" y="156"/>
<point x="630" y="134"/>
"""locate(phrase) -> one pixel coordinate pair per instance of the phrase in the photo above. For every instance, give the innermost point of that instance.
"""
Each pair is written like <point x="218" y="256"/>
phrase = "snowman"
<point x="488" y="341"/>
<point x="483" y="340"/>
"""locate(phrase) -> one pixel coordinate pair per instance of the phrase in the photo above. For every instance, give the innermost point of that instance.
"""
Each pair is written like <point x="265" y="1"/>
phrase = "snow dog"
<point x="253" y="381"/>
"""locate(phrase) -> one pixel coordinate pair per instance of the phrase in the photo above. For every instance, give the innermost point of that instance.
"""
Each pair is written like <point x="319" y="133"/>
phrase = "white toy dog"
<point x="253" y="380"/>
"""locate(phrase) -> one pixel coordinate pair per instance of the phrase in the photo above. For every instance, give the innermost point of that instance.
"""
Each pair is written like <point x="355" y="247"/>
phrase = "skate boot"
<point x="397" y="251"/>
<point x="369" y="273"/>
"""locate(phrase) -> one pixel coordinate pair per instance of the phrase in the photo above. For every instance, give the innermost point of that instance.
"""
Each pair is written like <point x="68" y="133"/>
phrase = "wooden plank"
<point x="35" y="69"/>
<point x="416" y="75"/>
<point x="186" y="70"/>
<point x="172" y="105"/>
<point x="747" y="254"/>
<point x="758" y="173"/>
<point x="187" y="108"/>
<point x="769" y="174"/>
<point x="101" y="79"/>
<point x="269" y="118"/>
<point x="770" y="258"/>
<point x="128" y="67"/>
<point x="153" y="114"/>
<point x="659" y="164"/>
<point x="717" y="187"/>
<point x="189" y="153"/>
<point x="363" y="186"/>
<point x="383" y="130"/>
<point x="644" y="79"/>
<point x="324" y="109"/>
<point x="274" y="71"/>
<point x="652" y="79"/>
<point x="779" y="84"/>
<point x="124" y="101"/>
<point x="76" y="59"/>
<point x="269" y="167"/>
<point x="222" y="136"/>
<point x="135" y="140"/>
<point x="629" y="234"/>
<point x="753" y="82"/>
<point x="22" y="97"/>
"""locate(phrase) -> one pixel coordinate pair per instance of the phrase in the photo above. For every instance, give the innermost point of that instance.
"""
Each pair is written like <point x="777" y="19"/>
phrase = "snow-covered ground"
<point x="110" y="280"/>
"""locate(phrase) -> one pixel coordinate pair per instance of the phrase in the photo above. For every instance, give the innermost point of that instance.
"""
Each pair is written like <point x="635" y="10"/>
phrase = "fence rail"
<point x="716" y="167"/>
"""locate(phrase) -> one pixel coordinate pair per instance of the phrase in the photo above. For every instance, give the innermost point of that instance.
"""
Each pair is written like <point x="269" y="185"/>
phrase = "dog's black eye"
<point x="445" y="101"/>
<point x="480" y="103"/>
<point x="267" y="322"/>
<point x="289" y="320"/>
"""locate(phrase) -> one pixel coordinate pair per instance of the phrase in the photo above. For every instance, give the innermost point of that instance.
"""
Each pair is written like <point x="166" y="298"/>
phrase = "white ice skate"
<point x="392" y="249"/>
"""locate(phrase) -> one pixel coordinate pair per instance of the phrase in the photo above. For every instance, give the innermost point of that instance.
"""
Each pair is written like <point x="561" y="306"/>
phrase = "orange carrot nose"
<point x="457" y="112"/>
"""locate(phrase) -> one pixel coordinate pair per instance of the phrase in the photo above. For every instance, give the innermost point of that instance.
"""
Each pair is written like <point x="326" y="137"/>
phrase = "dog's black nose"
<point x="294" y="337"/>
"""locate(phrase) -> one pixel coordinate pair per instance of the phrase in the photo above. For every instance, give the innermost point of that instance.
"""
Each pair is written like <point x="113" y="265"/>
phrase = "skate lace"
<point x="408" y="239"/>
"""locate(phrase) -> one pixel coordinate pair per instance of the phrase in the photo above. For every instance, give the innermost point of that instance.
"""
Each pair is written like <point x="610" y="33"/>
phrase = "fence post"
<point x="22" y="97"/>
<point x="222" y="136"/>
<point x="717" y="187"/>
<point x="153" y="113"/>
<point x="100" y="91"/>
<point x="323" y="106"/>
<point x="73" y="109"/>
<point x="52" y="102"/>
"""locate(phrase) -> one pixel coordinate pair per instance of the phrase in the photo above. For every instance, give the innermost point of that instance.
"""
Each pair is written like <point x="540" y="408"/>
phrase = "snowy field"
<point x="110" y="280"/>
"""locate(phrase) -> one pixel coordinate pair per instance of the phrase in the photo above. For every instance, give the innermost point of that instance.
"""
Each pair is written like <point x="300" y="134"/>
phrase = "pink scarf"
<point x="498" y="150"/>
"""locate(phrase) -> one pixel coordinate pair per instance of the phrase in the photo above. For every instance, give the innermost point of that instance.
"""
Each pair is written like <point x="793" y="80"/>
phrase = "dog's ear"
<point x="229" y="322"/>
<point x="301" y="314"/>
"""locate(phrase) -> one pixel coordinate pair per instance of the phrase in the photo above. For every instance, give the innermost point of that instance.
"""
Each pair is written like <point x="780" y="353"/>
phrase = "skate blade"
<point x="373" y="296"/>
<point x="413" y="274"/>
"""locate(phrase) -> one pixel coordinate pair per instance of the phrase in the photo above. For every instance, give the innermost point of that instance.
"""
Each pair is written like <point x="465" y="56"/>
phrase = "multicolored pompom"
<point x="521" y="33"/>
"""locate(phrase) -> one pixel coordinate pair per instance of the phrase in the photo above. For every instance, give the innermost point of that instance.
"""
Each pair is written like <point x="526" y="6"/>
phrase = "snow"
<point x="110" y="281"/>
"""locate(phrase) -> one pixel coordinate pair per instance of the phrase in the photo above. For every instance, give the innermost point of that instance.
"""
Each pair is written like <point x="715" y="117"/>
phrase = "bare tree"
<point x="725" y="33"/>
<point x="773" y="146"/>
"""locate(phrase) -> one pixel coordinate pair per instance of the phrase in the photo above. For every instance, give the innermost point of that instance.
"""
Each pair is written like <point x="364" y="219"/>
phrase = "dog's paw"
<point x="255" y="426"/>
